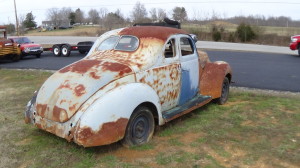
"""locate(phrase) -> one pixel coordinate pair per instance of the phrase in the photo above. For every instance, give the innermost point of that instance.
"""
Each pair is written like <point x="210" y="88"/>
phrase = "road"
<point x="250" y="69"/>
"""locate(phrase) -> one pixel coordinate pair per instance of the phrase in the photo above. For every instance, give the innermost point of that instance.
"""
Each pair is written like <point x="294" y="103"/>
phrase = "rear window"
<point x="123" y="43"/>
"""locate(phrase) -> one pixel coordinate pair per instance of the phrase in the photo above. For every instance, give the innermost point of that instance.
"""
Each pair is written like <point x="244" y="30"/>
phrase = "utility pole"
<point x="17" y="21"/>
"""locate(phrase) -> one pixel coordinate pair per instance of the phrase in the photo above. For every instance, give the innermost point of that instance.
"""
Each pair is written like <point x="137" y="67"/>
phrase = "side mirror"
<point x="194" y="37"/>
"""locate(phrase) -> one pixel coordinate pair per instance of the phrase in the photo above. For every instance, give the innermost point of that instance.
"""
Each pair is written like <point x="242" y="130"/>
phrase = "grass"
<point x="251" y="130"/>
<point x="76" y="31"/>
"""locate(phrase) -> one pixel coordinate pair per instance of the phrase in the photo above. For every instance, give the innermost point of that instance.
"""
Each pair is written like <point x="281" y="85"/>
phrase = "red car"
<point x="295" y="43"/>
<point x="27" y="47"/>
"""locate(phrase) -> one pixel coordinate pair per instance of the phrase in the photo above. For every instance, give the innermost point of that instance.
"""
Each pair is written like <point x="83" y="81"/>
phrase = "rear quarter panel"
<point x="212" y="76"/>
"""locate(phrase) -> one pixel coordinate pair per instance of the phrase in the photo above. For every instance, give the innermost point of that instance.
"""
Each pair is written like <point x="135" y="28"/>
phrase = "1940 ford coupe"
<point x="131" y="80"/>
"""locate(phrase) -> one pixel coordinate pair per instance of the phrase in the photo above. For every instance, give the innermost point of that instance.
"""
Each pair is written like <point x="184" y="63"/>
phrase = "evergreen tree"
<point x="29" y="21"/>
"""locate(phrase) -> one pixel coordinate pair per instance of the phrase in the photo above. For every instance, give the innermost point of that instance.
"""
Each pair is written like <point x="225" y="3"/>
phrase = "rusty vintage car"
<point x="131" y="80"/>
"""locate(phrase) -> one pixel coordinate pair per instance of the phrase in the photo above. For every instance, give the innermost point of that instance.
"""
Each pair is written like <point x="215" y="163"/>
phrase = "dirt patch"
<point x="23" y="142"/>
<point x="229" y="104"/>
<point x="190" y="137"/>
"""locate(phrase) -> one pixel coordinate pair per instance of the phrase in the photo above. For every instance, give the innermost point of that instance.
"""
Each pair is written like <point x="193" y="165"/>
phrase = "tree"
<point x="161" y="14"/>
<point x="10" y="28"/>
<point x="72" y="17"/>
<point x="79" y="16"/>
<point x="179" y="14"/>
<point x="54" y="16"/>
<point x="139" y="13"/>
<point x="113" y="19"/>
<point x="153" y="14"/>
<point x="102" y="14"/>
<point x="29" y="21"/>
<point x="245" y="32"/>
<point x="93" y="16"/>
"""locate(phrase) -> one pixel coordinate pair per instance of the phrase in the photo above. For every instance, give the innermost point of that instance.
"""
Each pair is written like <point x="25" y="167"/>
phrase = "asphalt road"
<point x="250" y="69"/>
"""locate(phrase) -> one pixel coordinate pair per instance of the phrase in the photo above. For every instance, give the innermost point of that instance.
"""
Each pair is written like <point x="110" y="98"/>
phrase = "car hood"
<point x="66" y="90"/>
<point x="29" y="45"/>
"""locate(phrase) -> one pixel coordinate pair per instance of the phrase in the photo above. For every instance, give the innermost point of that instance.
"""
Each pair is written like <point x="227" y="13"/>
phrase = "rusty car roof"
<point x="157" y="32"/>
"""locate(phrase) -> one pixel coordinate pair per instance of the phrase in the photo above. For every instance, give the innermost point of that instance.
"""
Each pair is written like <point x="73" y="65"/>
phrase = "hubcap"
<point x="140" y="127"/>
<point x="56" y="50"/>
<point x="64" y="51"/>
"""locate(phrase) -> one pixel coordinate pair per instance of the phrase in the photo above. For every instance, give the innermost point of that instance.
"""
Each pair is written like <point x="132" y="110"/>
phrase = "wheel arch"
<point x="103" y="112"/>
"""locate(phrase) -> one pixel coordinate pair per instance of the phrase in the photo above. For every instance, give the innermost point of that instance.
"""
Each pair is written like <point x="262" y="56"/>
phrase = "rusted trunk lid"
<point x="66" y="90"/>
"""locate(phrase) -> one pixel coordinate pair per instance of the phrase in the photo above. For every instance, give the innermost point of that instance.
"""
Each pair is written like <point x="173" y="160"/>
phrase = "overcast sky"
<point x="195" y="8"/>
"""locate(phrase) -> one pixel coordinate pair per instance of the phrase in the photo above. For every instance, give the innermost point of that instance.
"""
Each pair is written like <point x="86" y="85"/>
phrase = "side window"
<point x="186" y="46"/>
<point x="170" y="50"/>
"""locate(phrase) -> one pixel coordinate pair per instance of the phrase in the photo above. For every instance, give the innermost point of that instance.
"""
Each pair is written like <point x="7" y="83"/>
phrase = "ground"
<point x="254" y="129"/>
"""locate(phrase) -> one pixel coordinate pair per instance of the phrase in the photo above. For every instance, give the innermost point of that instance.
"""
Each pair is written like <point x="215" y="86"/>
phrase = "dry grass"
<point x="76" y="31"/>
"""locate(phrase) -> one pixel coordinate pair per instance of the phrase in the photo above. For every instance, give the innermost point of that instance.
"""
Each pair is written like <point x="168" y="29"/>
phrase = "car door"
<point x="189" y="69"/>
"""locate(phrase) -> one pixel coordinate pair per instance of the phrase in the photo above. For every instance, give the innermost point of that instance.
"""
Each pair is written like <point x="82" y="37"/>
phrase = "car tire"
<point x="140" y="127"/>
<point x="56" y="50"/>
<point x="299" y="51"/>
<point x="16" y="57"/>
<point x="224" y="93"/>
<point x="38" y="55"/>
<point x="66" y="50"/>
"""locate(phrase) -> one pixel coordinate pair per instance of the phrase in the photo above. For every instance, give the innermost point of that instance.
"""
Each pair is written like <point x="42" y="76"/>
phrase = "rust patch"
<point x="81" y="66"/>
<point x="116" y="67"/>
<point x="211" y="79"/>
<point x="108" y="133"/>
<point x="59" y="114"/>
<point x="41" y="109"/>
<point x="79" y="90"/>
<point x="93" y="75"/>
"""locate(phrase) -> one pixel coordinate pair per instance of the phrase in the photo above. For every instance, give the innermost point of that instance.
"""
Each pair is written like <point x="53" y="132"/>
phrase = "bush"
<point x="216" y="33"/>
<point x="245" y="32"/>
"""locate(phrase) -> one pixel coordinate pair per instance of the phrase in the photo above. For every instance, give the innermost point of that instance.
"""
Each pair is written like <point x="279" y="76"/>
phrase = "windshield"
<point x="22" y="40"/>
<point x="124" y="43"/>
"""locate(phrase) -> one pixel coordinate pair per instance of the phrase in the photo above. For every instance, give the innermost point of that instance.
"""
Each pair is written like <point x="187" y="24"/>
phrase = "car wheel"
<point x="66" y="50"/>
<point x="225" y="92"/>
<point x="16" y="57"/>
<point x="81" y="51"/>
<point x="140" y="127"/>
<point x="299" y="51"/>
<point x="38" y="55"/>
<point x="56" y="50"/>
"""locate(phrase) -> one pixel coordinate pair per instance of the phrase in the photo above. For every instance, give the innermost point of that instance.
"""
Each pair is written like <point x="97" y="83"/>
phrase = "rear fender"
<point x="105" y="121"/>
<point x="212" y="78"/>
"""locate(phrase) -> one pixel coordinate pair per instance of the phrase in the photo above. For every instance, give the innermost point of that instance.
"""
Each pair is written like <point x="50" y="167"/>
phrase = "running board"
<point x="193" y="104"/>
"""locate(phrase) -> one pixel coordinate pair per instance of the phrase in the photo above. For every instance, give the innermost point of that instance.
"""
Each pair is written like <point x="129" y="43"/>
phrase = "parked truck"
<point x="8" y="48"/>
<point x="295" y="43"/>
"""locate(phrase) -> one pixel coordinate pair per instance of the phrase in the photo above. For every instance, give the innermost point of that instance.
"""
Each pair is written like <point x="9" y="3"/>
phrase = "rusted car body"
<point x="131" y="79"/>
<point x="8" y="49"/>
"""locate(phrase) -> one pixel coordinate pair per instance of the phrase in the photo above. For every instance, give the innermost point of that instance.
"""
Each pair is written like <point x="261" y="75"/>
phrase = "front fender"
<point x="105" y="120"/>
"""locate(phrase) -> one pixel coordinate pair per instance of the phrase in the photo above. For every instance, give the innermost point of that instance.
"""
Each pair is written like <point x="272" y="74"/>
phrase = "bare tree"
<point x="102" y="14"/>
<point x="64" y="13"/>
<point x="153" y="14"/>
<point x="53" y="15"/>
<point x="79" y="16"/>
<point x="114" y="19"/>
<point x="139" y="13"/>
<point x="179" y="13"/>
<point x="93" y="16"/>
<point x="161" y="14"/>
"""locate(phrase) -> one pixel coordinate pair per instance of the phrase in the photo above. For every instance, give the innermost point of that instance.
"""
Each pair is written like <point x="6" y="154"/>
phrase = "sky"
<point x="195" y="8"/>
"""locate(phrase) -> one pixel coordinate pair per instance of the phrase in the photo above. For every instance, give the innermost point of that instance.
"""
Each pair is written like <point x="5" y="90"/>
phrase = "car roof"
<point x="157" y="32"/>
